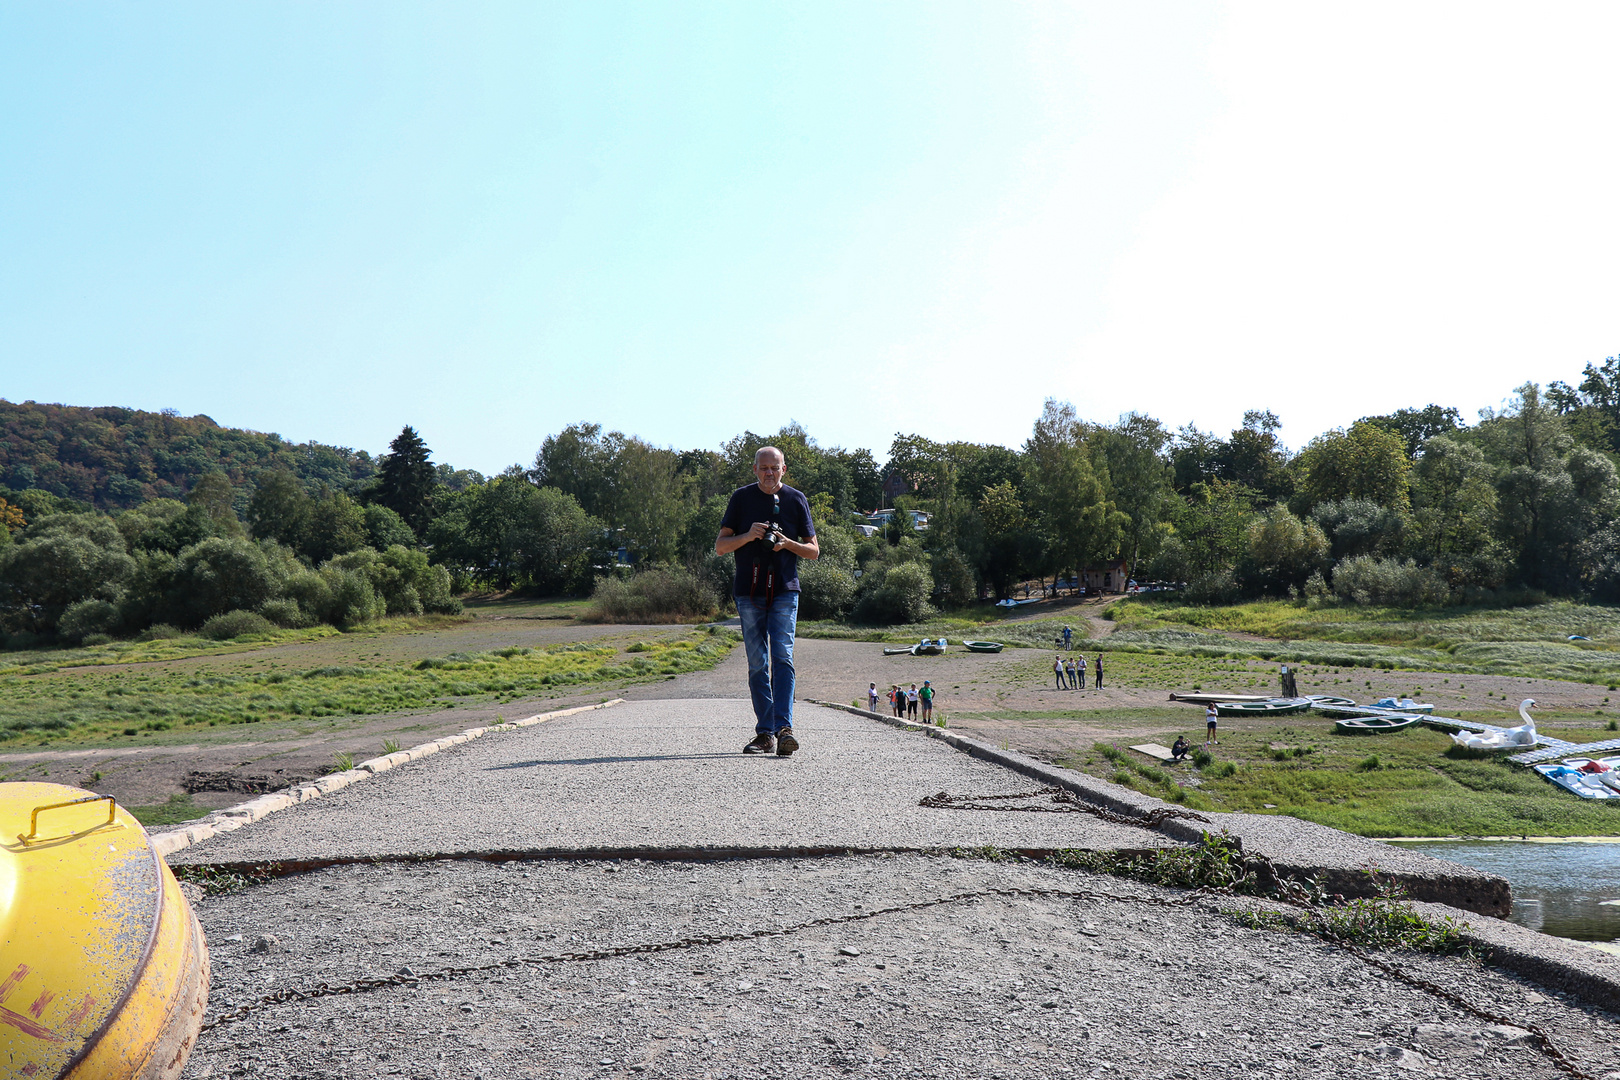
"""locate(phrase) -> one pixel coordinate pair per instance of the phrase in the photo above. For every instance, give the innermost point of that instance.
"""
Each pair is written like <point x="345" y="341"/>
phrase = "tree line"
<point x="1415" y="507"/>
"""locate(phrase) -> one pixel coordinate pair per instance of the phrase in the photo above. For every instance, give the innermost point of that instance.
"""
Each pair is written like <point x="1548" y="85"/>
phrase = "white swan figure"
<point x="1525" y="735"/>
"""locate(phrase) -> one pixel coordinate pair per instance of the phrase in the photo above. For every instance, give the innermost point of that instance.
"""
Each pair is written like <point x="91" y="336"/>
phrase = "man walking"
<point x="767" y="528"/>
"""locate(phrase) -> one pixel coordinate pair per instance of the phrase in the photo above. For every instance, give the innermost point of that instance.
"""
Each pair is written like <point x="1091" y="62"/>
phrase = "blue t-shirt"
<point x="759" y="569"/>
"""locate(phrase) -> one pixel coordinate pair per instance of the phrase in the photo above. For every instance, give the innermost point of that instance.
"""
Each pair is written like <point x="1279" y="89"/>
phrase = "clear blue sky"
<point x="684" y="220"/>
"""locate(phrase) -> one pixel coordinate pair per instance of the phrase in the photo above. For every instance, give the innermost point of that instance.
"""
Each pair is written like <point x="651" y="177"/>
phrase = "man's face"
<point x="769" y="469"/>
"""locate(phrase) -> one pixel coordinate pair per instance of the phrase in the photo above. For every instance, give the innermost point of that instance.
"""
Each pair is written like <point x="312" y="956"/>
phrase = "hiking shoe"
<point x="763" y="744"/>
<point x="786" y="743"/>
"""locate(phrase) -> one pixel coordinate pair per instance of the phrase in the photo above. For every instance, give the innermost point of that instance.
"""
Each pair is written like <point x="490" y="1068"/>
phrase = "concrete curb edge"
<point x="234" y="817"/>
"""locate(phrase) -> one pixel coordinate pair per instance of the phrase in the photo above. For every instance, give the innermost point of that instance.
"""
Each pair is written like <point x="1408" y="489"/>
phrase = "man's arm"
<point x="804" y="549"/>
<point x="729" y="541"/>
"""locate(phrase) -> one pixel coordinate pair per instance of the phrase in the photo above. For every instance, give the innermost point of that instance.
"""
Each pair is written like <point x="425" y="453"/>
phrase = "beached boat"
<point x="1010" y="603"/>
<point x="1375" y="725"/>
<point x="1402" y="705"/>
<point x="95" y="933"/>
<point x="983" y="646"/>
<point x="925" y="647"/>
<point x="1590" y="778"/>
<point x="1205" y="699"/>
<point x="1267" y="707"/>
<point x="1330" y="701"/>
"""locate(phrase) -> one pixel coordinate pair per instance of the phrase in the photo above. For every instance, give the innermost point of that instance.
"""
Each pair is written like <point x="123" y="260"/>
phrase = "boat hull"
<point x="1375" y="725"/>
<point x="983" y="646"/>
<point x="1275" y="707"/>
<point x="95" y="932"/>
<point x="1567" y="774"/>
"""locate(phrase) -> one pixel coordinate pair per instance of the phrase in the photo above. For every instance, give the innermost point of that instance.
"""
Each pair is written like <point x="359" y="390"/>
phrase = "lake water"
<point x="1569" y="890"/>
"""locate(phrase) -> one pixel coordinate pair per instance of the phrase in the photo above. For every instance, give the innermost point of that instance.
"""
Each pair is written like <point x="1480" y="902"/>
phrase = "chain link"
<point x="1061" y="802"/>
<point x="1284" y="890"/>
<point x="320" y="990"/>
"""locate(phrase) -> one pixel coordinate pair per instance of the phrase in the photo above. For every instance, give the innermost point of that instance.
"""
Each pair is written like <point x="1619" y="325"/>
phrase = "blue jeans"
<point x="768" y="640"/>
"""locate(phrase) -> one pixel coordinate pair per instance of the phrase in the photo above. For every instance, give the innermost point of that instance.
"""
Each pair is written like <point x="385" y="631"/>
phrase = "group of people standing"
<point x="1071" y="672"/>
<point x="903" y="702"/>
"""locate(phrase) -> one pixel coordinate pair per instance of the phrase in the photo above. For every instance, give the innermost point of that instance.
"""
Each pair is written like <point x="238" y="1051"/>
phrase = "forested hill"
<point x="112" y="457"/>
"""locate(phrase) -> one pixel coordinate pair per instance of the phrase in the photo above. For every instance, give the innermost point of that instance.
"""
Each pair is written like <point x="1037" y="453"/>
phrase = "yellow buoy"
<point x="103" y="968"/>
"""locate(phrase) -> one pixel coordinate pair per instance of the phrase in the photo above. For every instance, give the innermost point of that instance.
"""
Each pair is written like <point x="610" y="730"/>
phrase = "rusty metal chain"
<point x="1284" y="889"/>
<point x="1295" y="897"/>
<point x="1063" y="802"/>
<point x="1544" y="1042"/>
<point x="320" y="990"/>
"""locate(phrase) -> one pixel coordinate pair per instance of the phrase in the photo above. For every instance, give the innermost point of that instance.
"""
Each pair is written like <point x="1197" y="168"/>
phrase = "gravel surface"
<point x="992" y="987"/>
<point x="667" y="774"/>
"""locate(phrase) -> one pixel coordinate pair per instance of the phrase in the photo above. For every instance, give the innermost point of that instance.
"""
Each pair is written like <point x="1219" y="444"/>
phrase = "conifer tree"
<point x="406" y="479"/>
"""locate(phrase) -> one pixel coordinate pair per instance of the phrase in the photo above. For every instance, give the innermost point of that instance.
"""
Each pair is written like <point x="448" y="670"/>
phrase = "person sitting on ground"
<point x="1179" y="749"/>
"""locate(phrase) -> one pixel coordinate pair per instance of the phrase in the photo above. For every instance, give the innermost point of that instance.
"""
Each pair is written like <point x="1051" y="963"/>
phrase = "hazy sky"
<point x="684" y="220"/>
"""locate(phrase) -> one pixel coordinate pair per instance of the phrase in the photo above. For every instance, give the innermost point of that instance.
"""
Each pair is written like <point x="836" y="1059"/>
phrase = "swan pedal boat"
<point x="103" y="967"/>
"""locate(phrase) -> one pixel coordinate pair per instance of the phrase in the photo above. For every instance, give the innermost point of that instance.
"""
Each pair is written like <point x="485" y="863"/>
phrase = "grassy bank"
<point x="90" y="703"/>
<point x="1410" y="783"/>
<point x="1465" y="641"/>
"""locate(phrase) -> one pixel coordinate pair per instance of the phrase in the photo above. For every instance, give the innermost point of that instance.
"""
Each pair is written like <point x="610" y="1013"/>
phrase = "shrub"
<point x="825" y="592"/>
<point x="353" y="600"/>
<point x="234" y="624"/>
<point x="902" y="597"/>
<point x="1218" y="587"/>
<point x="160" y="632"/>
<point x="285" y="613"/>
<point x="1203" y="758"/>
<point x="1363" y="579"/>
<point x="87" y="617"/>
<point x="659" y="595"/>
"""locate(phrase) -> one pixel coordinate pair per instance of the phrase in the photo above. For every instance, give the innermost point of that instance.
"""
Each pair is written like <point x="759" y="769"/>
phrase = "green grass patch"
<point x="137" y="703"/>
<point x="179" y="808"/>
<point x="1406" y="783"/>
<point x="1529" y="641"/>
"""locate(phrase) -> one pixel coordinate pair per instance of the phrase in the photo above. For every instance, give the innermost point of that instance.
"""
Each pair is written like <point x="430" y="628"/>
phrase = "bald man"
<point x="767" y="528"/>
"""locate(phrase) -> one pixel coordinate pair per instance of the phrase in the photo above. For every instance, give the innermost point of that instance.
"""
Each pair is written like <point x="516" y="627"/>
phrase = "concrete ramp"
<point x="668" y="778"/>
